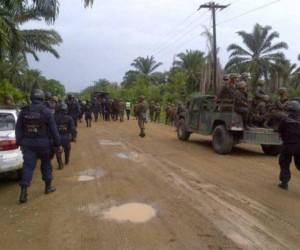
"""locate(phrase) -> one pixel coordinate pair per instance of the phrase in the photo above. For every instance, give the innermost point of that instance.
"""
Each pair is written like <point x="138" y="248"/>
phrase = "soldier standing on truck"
<point x="229" y="87"/>
<point x="241" y="104"/>
<point x="289" y="130"/>
<point x="278" y="109"/>
<point x="140" y="113"/>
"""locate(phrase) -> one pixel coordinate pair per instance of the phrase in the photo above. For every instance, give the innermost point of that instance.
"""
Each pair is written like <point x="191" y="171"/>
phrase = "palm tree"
<point x="260" y="54"/>
<point x="192" y="62"/>
<point x="15" y="41"/>
<point x="145" y="66"/>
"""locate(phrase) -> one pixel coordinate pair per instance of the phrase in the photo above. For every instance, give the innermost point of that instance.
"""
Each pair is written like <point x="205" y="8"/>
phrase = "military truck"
<point x="206" y="116"/>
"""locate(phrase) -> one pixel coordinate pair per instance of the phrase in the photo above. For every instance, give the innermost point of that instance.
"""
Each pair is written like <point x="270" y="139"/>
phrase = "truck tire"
<point x="182" y="133"/>
<point x="223" y="140"/>
<point x="272" y="150"/>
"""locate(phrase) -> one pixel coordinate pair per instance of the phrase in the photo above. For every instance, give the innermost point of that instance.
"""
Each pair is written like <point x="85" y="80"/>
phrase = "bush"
<point x="7" y="88"/>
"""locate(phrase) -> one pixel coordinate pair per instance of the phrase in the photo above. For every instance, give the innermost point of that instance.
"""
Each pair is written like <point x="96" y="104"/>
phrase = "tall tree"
<point x="146" y="65"/>
<point x="192" y="62"/>
<point x="261" y="53"/>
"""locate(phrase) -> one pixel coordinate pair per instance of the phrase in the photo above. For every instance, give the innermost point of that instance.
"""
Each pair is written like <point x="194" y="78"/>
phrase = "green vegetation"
<point x="191" y="71"/>
<point x="17" y="43"/>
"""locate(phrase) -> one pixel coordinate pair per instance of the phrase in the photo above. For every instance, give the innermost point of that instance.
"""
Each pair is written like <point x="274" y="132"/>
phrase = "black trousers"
<point x="289" y="152"/>
<point x="128" y="114"/>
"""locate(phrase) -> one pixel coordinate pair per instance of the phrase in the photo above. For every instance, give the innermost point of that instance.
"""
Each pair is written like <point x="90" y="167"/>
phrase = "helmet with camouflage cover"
<point x="260" y="83"/>
<point x="282" y="91"/>
<point x="226" y="78"/>
<point x="141" y="98"/>
<point x="266" y="98"/>
<point x="234" y="76"/>
<point x="293" y="106"/>
<point x="241" y="85"/>
<point x="55" y="98"/>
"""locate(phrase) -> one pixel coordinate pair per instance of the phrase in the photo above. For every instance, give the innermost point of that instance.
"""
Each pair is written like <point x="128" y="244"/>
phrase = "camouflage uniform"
<point x="152" y="111"/>
<point x="241" y="103"/>
<point x="228" y="89"/>
<point x="167" y="110"/>
<point x="121" y="110"/>
<point x="140" y="113"/>
<point x="278" y="110"/>
<point x="157" y="112"/>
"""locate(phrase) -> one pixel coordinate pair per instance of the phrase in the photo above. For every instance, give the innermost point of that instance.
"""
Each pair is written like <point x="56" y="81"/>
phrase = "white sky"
<point x="102" y="41"/>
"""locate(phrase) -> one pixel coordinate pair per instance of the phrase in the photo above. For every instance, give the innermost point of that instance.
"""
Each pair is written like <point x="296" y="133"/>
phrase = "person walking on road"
<point x="34" y="128"/>
<point x="289" y="130"/>
<point x="67" y="131"/>
<point x="128" y="109"/>
<point x="157" y="113"/>
<point x="88" y="114"/>
<point x="121" y="110"/>
<point x="140" y="113"/>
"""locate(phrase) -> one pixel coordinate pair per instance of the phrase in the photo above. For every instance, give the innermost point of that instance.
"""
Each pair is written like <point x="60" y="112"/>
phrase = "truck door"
<point x="195" y="114"/>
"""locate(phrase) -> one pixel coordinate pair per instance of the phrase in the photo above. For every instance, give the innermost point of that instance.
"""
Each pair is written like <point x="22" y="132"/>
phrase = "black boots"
<point x="142" y="133"/>
<point x="48" y="188"/>
<point x="67" y="157"/>
<point x="23" y="194"/>
<point x="283" y="186"/>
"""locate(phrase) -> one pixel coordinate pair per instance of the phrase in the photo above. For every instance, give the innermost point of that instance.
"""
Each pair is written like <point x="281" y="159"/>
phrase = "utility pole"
<point x="213" y="7"/>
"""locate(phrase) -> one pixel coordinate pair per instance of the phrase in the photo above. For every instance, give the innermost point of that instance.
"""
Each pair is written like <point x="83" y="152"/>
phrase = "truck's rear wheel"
<point x="223" y="140"/>
<point x="182" y="133"/>
<point x="272" y="150"/>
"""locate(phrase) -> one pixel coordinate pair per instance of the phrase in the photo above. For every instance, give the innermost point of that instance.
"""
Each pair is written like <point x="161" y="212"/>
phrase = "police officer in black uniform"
<point x="67" y="131"/>
<point x="289" y="130"/>
<point x="73" y="108"/>
<point x="34" y="128"/>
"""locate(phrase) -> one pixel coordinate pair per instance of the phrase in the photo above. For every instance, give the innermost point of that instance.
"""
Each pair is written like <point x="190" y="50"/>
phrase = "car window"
<point x="196" y="105"/>
<point x="7" y="122"/>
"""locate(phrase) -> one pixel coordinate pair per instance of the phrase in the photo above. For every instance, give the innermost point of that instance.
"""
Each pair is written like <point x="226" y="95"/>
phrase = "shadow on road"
<point x="237" y="151"/>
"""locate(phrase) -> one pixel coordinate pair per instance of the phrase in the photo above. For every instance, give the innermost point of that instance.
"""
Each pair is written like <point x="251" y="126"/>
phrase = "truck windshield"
<point x="7" y="122"/>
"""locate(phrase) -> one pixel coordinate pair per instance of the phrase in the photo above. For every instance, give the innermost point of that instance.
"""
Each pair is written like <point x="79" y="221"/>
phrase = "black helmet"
<point x="63" y="107"/>
<point x="37" y="94"/>
<point x="293" y="106"/>
<point x="48" y="95"/>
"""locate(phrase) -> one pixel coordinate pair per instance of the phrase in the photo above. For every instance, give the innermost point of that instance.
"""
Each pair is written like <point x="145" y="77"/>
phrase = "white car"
<point x="11" y="158"/>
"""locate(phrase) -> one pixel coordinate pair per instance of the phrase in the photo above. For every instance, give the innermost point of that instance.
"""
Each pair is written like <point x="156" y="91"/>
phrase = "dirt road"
<point x="196" y="199"/>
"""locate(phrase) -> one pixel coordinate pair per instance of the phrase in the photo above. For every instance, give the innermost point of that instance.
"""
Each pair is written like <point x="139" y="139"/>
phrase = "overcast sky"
<point x="102" y="41"/>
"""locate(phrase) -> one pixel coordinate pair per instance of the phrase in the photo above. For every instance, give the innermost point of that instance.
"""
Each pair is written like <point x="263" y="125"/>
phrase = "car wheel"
<point x="182" y="133"/>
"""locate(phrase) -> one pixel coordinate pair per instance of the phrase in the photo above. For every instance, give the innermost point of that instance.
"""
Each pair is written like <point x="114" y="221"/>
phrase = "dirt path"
<point x="197" y="199"/>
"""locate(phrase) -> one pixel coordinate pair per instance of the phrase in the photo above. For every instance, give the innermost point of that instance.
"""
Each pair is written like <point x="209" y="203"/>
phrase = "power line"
<point x="182" y="43"/>
<point x="179" y="36"/>
<point x="175" y="29"/>
<point x="250" y="11"/>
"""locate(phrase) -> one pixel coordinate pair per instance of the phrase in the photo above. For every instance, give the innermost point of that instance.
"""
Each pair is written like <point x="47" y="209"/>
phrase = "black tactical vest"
<point x="34" y="121"/>
<point x="62" y="125"/>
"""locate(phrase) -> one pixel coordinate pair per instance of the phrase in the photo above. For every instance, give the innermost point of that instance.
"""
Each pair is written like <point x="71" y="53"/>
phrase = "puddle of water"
<point x="87" y="175"/>
<point x="131" y="212"/>
<point x="128" y="156"/>
<point x="85" y="178"/>
<point x="96" y="173"/>
<point x="110" y="143"/>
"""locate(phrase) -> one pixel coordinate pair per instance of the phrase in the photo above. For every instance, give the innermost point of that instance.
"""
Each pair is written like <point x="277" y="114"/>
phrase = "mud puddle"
<point x="128" y="156"/>
<point x="131" y="212"/>
<point x="87" y="175"/>
<point x="110" y="143"/>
